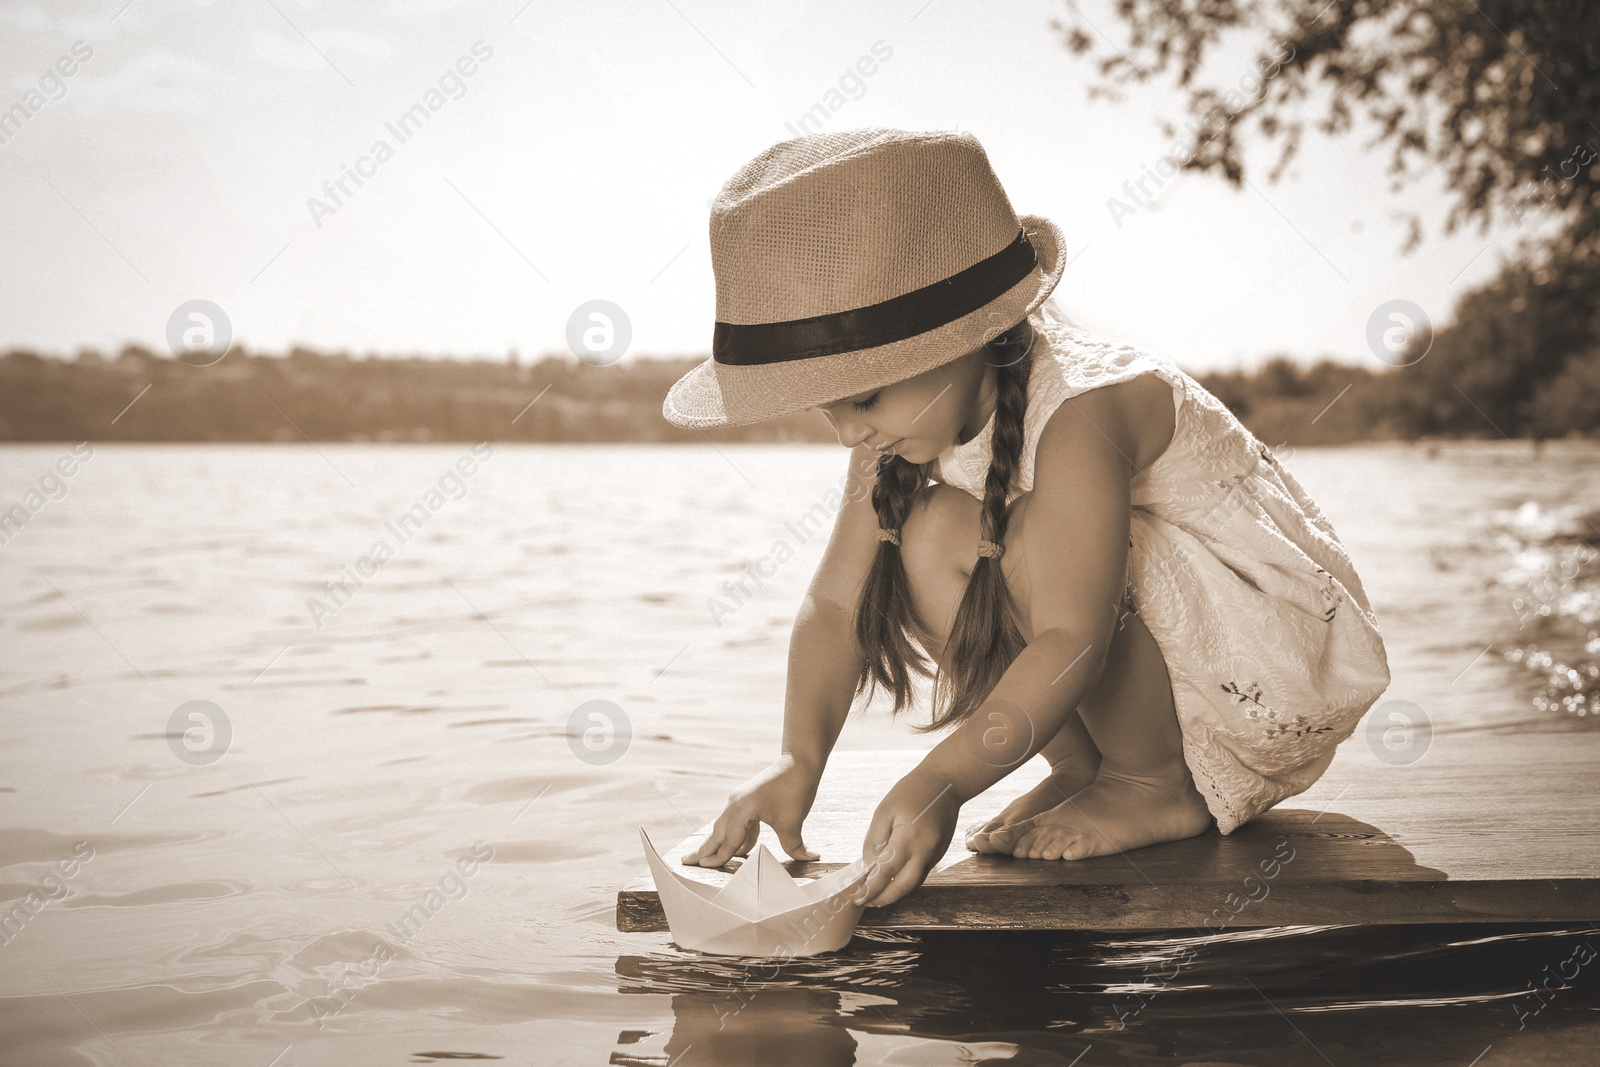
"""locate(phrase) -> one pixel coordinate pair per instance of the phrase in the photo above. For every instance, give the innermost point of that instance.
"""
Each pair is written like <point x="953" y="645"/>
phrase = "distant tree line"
<point x="251" y="396"/>
<point x="1517" y="358"/>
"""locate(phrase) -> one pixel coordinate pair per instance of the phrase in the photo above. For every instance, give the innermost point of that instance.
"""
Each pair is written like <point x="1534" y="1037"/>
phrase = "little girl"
<point x="1100" y="561"/>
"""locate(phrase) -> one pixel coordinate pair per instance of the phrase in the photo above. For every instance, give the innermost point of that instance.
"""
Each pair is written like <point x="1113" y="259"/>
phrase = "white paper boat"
<point x="761" y="911"/>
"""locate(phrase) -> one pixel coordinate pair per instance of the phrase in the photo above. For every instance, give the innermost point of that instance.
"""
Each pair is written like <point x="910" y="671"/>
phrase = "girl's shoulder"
<point x="1142" y="391"/>
<point x="1072" y="360"/>
<point x="1208" y="444"/>
<point x="1068" y="362"/>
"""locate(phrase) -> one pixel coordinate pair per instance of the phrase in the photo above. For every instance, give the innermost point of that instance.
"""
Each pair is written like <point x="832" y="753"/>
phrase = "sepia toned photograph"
<point x="667" y="533"/>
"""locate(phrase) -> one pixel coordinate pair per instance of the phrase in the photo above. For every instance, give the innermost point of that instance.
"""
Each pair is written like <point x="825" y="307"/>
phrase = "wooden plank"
<point x="1485" y="827"/>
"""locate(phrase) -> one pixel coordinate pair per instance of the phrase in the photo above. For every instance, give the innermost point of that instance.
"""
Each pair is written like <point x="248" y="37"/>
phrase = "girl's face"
<point x="919" y="417"/>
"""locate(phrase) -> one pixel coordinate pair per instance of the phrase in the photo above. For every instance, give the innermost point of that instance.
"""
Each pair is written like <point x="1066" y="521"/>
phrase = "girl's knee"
<point x="942" y="520"/>
<point x="937" y="547"/>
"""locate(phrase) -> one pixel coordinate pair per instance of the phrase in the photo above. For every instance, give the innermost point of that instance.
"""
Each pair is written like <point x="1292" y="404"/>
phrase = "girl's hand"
<point x="779" y="796"/>
<point x="909" y="833"/>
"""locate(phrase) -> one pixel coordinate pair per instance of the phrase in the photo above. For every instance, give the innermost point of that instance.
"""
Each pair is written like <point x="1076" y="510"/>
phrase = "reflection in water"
<point x="768" y="1025"/>
<point x="1278" y="995"/>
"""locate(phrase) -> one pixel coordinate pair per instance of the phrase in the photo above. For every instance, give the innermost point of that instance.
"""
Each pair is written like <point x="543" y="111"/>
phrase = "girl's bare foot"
<point x="1114" y="813"/>
<point x="1065" y="778"/>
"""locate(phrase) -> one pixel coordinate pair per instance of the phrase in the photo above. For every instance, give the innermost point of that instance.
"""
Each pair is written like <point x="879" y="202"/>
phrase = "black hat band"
<point x="882" y="323"/>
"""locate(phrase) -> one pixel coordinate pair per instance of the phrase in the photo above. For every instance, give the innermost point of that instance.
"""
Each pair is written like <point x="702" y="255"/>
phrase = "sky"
<point x="186" y="157"/>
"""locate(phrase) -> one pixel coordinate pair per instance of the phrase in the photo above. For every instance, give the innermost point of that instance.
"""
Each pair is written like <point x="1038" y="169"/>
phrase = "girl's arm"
<point x="824" y="660"/>
<point x="1073" y="542"/>
<point x="824" y="663"/>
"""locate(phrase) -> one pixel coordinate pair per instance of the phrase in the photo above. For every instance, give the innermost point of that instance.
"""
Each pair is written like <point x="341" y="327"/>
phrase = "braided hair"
<point x="984" y="638"/>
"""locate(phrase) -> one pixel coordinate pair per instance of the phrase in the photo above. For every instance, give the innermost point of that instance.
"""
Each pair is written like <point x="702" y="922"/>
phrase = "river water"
<point x="258" y="703"/>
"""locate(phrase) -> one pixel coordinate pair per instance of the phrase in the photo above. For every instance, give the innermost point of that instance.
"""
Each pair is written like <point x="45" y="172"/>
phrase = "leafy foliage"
<point x="1499" y="98"/>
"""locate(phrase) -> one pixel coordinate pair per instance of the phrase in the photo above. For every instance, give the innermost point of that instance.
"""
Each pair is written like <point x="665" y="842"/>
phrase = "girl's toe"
<point x="1027" y="844"/>
<point x="1020" y="829"/>
<point x="978" y="836"/>
<point x="1001" y="839"/>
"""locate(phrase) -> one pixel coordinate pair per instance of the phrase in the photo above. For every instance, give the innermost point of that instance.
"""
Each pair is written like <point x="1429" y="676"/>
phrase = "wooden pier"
<point x="1485" y="827"/>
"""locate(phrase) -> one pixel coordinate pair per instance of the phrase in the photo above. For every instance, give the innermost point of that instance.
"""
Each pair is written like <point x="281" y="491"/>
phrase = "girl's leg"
<point x="1142" y="793"/>
<point x="1073" y="758"/>
<point x="1138" y="790"/>
<point x="939" y="549"/>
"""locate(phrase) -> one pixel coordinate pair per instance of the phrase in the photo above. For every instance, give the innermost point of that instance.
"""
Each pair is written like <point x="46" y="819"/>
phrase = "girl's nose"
<point x="851" y="431"/>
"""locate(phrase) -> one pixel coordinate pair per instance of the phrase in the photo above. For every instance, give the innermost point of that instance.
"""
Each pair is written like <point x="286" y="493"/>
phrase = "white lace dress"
<point x="1271" y="645"/>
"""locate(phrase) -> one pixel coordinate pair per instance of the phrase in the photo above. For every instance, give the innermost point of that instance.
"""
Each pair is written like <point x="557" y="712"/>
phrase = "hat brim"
<point x="717" y="394"/>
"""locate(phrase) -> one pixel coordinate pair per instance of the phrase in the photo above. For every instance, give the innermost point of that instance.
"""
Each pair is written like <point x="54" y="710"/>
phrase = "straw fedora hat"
<point x="850" y="260"/>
